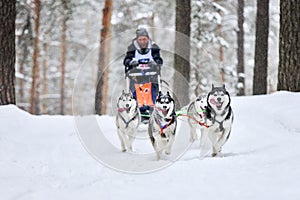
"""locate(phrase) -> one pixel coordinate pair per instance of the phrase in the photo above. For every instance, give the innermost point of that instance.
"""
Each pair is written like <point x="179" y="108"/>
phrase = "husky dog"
<point x="162" y="124"/>
<point x="219" y="118"/>
<point x="197" y="116"/>
<point x="127" y="120"/>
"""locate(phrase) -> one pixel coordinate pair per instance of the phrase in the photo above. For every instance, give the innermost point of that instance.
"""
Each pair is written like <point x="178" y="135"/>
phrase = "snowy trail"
<point x="43" y="157"/>
<point x="104" y="145"/>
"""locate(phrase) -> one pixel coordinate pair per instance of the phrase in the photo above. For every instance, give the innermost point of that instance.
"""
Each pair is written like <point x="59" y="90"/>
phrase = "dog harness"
<point x="162" y="127"/>
<point x="221" y="127"/>
<point x="130" y="120"/>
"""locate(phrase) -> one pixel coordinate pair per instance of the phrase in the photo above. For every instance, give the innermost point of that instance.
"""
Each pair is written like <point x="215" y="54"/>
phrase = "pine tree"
<point x="182" y="51"/>
<point x="240" y="51"/>
<point x="7" y="51"/>
<point x="102" y="85"/>
<point x="261" y="48"/>
<point x="35" y="94"/>
<point x="289" y="46"/>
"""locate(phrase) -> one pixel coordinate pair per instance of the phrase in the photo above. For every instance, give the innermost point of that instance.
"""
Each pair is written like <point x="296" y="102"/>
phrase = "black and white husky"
<point x="127" y="120"/>
<point x="219" y="118"/>
<point x="162" y="124"/>
<point x="197" y="116"/>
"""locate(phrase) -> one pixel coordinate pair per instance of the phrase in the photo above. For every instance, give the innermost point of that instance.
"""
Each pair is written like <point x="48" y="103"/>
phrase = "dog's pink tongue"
<point x="165" y="112"/>
<point x="212" y="101"/>
<point x="123" y="109"/>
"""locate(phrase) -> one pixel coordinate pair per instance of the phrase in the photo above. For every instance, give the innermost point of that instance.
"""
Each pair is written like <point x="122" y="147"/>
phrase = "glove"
<point x="133" y="63"/>
<point x="152" y="63"/>
<point x="127" y="68"/>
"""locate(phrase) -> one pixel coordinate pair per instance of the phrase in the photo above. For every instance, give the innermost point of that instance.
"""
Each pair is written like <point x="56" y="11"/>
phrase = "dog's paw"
<point x="132" y="150"/>
<point x="167" y="152"/>
<point x="214" y="154"/>
<point x="123" y="150"/>
<point x="219" y="155"/>
<point x="192" y="139"/>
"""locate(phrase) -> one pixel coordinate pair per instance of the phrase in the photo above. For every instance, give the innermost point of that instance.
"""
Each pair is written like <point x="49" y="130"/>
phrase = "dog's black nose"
<point x="164" y="107"/>
<point x="127" y="105"/>
<point x="219" y="99"/>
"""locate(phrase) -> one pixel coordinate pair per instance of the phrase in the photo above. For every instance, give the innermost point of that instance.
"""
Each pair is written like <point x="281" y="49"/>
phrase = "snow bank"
<point x="44" y="157"/>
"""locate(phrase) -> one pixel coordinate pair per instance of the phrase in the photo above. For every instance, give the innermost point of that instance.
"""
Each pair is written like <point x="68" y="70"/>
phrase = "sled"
<point x="144" y="82"/>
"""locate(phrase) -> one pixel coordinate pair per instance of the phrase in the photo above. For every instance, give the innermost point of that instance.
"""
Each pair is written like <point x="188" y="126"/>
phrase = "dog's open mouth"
<point x="165" y="111"/>
<point x="218" y="104"/>
<point x="127" y="109"/>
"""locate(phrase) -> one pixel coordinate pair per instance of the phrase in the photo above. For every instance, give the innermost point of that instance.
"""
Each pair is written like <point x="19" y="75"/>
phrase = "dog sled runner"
<point x="144" y="82"/>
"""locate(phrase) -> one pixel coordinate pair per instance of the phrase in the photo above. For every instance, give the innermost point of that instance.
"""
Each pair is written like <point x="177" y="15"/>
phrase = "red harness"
<point x="164" y="126"/>
<point x="198" y="122"/>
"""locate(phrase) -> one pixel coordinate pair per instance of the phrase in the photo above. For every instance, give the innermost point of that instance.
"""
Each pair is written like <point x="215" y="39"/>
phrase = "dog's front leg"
<point x="121" y="136"/>
<point x="131" y="138"/>
<point x="169" y="144"/>
<point x="214" y="141"/>
<point x="158" y="147"/>
<point x="193" y="131"/>
<point x="223" y="139"/>
<point x="204" y="142"/>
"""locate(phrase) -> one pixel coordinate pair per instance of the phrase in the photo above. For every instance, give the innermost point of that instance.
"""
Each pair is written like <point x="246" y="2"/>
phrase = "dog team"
<point x="211" y="114"/>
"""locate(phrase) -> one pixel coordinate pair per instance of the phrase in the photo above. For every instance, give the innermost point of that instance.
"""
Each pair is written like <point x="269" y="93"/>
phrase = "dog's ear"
<point x="159" y="93"/>
<point x="212" y="86"/>
<point x="123" y="91"/>
<point x="168" y="93"/>
<point x="224" y="86"/>
<point x="130" y="92"/>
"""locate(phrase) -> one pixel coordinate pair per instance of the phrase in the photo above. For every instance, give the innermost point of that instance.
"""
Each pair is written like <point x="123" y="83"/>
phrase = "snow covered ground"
<point x="65" y="157"/>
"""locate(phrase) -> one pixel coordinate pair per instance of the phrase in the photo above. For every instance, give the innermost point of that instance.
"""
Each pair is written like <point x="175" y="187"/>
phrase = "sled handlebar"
<point x="143" y="70"/>
<point x="151" y="73"/>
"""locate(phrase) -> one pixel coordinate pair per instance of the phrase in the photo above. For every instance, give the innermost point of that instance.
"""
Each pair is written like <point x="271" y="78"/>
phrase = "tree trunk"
<point x="221" y="51"/>
<point x="182" y="52"/>
<point x="24" y="46"/>
<point x="261" y="48"/>
<point x="289" y="46"/>
<point x="45" y="79"/>
<point x="7" y="54"/>
<point x="63" y="57"/>
<point x="102" y="85"/>
<point x="34" y="99"/>
<point x="153" y="22"/>
<point x="240" y="51"/>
